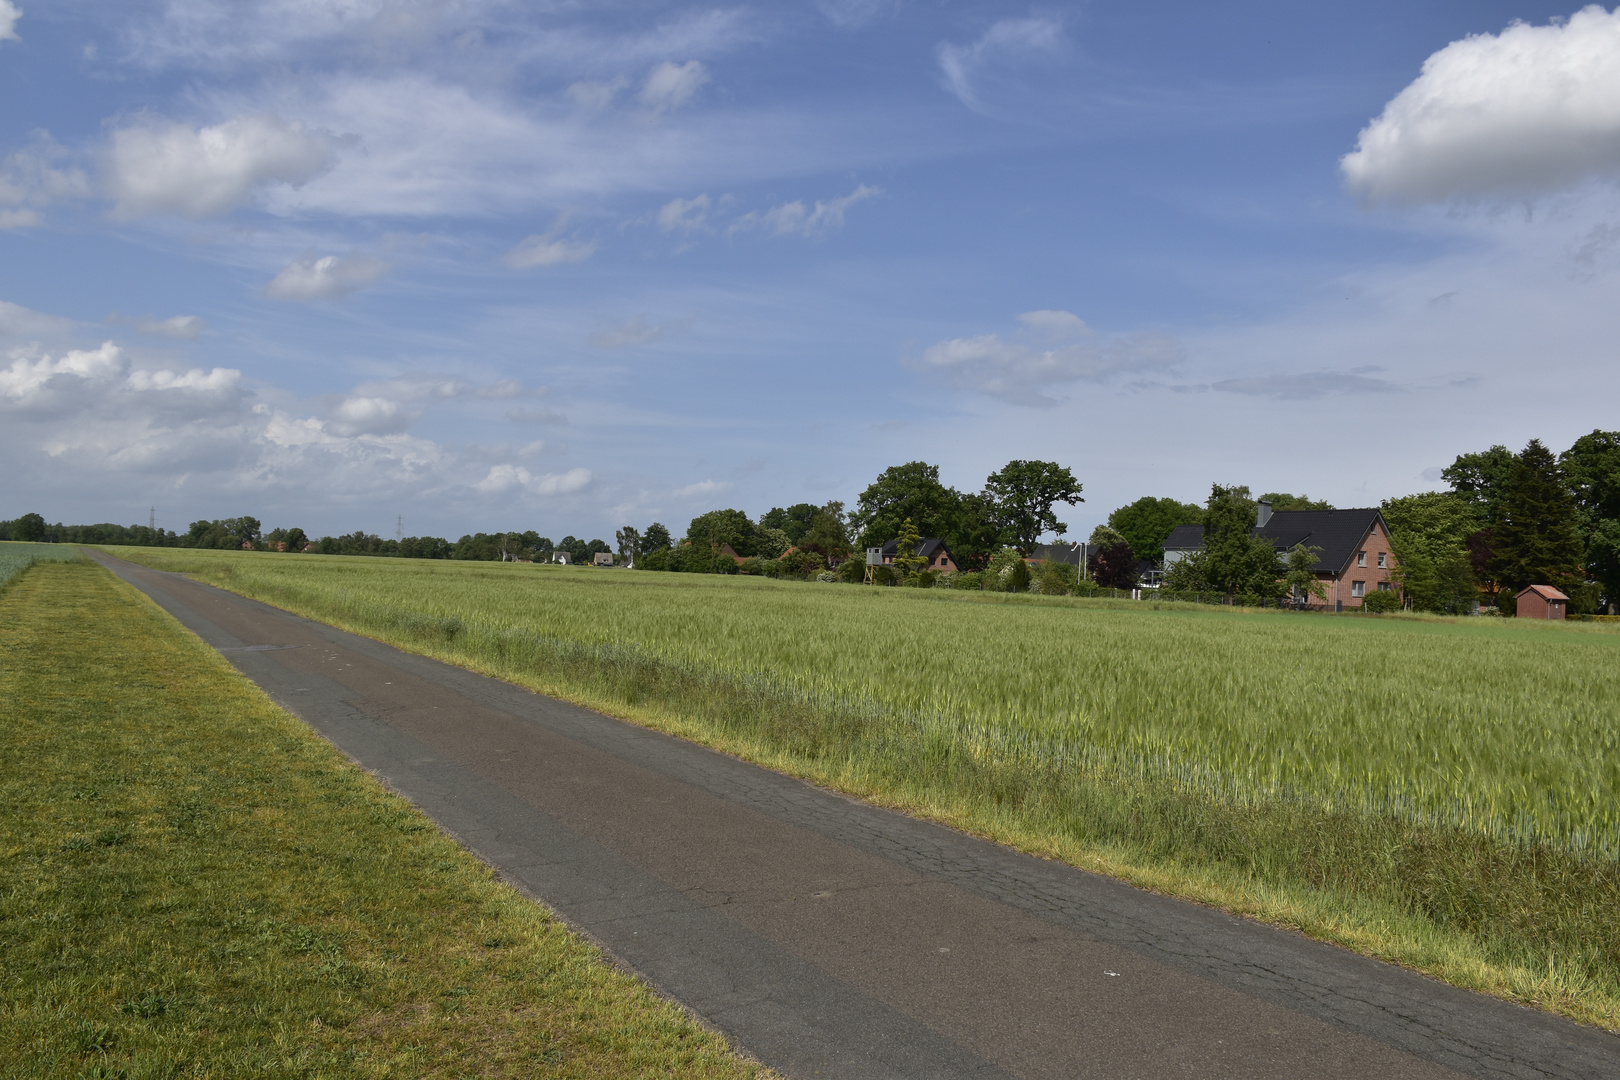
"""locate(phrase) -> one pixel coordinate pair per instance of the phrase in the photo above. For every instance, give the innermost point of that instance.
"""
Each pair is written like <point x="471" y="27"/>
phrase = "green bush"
<point x="1507" y="604"/>
<point x="1382" y="601"/>
<point x="852" y="570"/>
<point x="966" y="579"/>
<point x="883" y="575"/>
<point x="1057" y="578"/>
<point x="924" y="579"/>
<point x="1018" y="577"/>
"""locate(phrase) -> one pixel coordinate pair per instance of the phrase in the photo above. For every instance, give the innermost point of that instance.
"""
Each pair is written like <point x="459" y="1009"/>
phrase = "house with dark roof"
<point x="932" y="549"/>
<point x="1353" y="556"/>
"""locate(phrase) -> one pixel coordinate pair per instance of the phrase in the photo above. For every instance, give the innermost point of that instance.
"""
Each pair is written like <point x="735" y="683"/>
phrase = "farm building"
<point x="602" y="558"/>
<point x="1541" y="602"/>
<point x="561" y="557"/>
<point x="1353" y="556"/>
<point x="932" y="548"/>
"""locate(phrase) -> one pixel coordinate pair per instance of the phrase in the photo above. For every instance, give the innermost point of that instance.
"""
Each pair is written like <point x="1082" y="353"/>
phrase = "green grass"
<point x="17" y="557"/>
<point x="1442" y="793"/>
<point x="192" y="883"/>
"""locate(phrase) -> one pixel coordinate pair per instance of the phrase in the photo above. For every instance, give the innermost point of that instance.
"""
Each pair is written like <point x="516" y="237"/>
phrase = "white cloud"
<point x="1057" y="348"/>
<point x="671" y="85"/>
<point x="549" y="249"/>
<point x="213" y="380"/>
<point x="32" y="379"/>
<point x="32" y="178"/>
<point x="702" y="487"/>
<point x="504" y="478"/>
<point x="687" y="214"/>
<point x="595" y="97"/>
<point x="360" y="414"/>
<point x="158" y="167"/>
<point x="1532" y="109"/>
<point x="640" y="330"/>
<point x="180" y="326"/>
<point x="794" y="219"/>
<point x="9" y="14"/>
<point x="39" y="384"/>
<point x="329" y="276"/>
<point x="1009" y="39"/>
<point x="19" y="321"/>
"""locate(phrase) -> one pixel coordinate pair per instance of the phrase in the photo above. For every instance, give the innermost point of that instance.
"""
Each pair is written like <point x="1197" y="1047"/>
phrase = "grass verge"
<point x="192" y="883"/>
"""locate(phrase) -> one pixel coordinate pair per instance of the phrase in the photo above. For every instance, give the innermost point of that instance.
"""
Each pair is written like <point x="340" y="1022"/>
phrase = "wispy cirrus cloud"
<point x="796" y="219"/>
<point x="1005" y="43"/>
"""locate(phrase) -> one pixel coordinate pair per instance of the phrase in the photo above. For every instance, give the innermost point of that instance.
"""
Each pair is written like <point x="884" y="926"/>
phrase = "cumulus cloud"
<point x="9" y="14"/>
<point x="161" y="167"/>
<point x="180" y="326"/>
<point x="1009" y="39"/>
<point x="795" y="219"/>
<point x="1532" y="109"/>
<point x="505" y="478"/>
<point x="684" y="214"/>
<point x="38" y="383"/>
<point x="326" y="277"/>
<point x="363" y="414"/>
<point x="671" y="85"/>
<point x="550" y="248"/>
<point x="1055" y="348"/>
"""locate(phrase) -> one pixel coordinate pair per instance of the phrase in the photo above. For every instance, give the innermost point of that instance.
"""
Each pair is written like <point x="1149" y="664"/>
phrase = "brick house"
<point x="1541" y="602"/>
<point x="1354" y="556"/>
<point x="932" y="549"/>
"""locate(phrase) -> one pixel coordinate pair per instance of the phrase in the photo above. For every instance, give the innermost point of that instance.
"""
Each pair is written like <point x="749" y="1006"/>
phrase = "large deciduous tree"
<point x="1147" y="523"/>
<point x="1280" y="500"/>
<point x="1430" y="534"/>
<point x="906" y="491"/>
<point x="1481" y="479"/>
<point x="1025" y="493"/>
<point x="719" y="527"/>
<point x="1592" y="468"/>
<point x="1233" y="560"/>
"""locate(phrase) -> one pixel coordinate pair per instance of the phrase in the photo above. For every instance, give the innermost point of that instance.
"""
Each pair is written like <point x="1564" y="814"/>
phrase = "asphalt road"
<point x="832" y="939"/>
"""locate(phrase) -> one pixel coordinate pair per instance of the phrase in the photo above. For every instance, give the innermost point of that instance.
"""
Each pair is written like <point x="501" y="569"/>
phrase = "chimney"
<point x="1262" y="514"/>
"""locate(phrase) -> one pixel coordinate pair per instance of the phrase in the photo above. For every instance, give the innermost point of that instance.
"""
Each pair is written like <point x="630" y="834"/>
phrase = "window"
<point x="1361" y="558"/>
<point x="1381" y="563"/>
<point x="1358" y="588"/>
<point x="1384" y="586"/>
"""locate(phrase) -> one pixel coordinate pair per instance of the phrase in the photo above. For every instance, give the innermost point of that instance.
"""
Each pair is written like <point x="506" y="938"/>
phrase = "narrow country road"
<point x="832" y="939"/>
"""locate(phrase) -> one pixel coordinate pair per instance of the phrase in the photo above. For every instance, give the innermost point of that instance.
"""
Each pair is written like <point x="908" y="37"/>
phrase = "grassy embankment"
<point x="1441" y="793"/>
<point x="192" y="883"/>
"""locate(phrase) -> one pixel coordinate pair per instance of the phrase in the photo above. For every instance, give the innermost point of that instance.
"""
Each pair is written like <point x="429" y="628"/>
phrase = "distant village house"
<point x="1353" y="556"/>
<point x="932" y="549"/>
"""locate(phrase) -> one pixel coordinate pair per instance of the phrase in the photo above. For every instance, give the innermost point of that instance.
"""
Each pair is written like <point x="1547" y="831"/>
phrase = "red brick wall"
<point x="1533" y="605"/>
<point x="1374" y="545"/>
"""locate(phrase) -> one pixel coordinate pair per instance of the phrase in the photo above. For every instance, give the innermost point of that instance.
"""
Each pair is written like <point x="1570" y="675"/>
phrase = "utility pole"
<point x="399" y="527"/>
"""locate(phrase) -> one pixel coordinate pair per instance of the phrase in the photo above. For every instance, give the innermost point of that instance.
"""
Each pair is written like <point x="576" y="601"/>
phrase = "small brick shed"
<point x="1541" y="602"/>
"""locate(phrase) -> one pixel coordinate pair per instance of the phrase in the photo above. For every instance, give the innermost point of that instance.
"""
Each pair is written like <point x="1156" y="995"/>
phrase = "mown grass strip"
<point x="716" y="660"/>
<point x="15" y="557"/>
<point x="192" y="883"/>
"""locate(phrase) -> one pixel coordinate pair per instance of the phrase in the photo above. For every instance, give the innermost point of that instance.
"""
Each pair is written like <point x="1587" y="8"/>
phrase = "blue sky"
<point x="568" y="267"/>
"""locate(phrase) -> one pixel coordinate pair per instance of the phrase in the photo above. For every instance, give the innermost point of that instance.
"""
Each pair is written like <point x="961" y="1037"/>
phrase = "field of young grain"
<point x="17" y="557"/>
<point x="1440" y="792"/>
<point x="1511" y="729"/>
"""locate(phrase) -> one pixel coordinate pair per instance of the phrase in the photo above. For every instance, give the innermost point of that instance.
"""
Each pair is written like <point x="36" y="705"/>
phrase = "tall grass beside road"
<point x="192" y="883"/>
<point x="1445" y="793"/>
<point x="17" y="557"/>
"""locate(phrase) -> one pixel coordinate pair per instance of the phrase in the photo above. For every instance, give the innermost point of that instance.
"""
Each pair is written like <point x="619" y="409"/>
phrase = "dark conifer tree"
<point x="1536" y="540"/>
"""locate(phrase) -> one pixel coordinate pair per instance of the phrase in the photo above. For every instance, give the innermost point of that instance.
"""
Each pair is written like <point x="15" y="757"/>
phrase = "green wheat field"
<point x="1510" y="729"/>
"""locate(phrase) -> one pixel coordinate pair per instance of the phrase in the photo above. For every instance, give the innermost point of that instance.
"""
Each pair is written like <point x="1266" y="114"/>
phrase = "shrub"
<point x="852" y="571"/>
<point x="924" y="579"/>
<point x="883" y="575"/>
<point x="1507" y="604"/>
<point x="1057" y="578"/>
<point x="1018" y="577"/>
<point x="756" y="566"/>
<point x="1382" y="601"/>
<point x="967" y="579"/>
